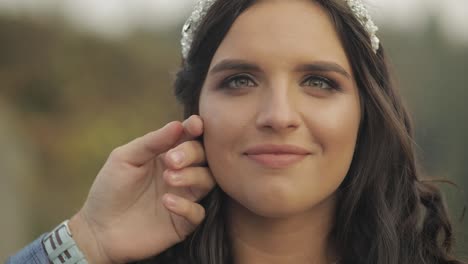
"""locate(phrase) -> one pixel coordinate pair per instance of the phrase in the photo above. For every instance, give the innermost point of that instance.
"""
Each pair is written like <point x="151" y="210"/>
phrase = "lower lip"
<point x="276" y="161"/>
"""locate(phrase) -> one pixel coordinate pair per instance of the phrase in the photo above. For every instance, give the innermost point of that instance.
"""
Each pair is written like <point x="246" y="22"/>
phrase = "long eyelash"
<point x="333" y="84"/>
<point x="225" y="83"/>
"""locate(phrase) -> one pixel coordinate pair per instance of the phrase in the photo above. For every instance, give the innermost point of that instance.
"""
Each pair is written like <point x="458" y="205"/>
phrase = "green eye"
<point x="237" y="82"/>
<point x="320" y="83"/>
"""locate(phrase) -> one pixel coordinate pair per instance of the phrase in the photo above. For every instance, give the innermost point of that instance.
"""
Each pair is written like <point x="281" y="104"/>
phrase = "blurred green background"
<point x="68" y="96"/>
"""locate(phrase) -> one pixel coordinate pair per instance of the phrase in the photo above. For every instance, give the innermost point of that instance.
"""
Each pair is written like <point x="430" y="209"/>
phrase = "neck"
<point x="300" y="238"/>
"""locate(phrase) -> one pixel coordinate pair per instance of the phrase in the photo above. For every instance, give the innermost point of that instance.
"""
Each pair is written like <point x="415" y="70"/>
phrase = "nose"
<point x="278" y="110"/>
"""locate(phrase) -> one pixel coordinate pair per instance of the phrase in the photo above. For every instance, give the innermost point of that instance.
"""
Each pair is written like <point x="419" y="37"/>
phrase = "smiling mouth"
<point x="276" y="156"/>
<point x="276" y="160"/>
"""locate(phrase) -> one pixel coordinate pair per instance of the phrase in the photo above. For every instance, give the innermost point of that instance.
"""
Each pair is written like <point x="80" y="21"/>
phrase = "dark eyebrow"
<point x="323" y="66"/>
<point x="241" y="65"/>
<point x="237" y="65"/>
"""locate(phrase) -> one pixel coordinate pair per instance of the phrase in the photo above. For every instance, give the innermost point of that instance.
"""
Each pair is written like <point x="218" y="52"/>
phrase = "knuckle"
<point x="116" y="153"/>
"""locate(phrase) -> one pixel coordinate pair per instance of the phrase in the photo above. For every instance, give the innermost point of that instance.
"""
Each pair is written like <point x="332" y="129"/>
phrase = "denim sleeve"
<point x="34" y="253"/>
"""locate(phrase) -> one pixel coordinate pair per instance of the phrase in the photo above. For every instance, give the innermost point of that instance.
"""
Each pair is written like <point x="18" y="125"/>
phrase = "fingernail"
<point x="175" y="176"/>
<point x="184" y="123"/>
<point x="177" y="157"/>
<point x="170" y="200"/>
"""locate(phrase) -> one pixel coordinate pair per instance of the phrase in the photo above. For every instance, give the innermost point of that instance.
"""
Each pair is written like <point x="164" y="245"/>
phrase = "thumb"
<point x="140" y="150"/>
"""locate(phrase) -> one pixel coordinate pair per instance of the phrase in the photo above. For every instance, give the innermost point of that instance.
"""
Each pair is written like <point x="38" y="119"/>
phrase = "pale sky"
<point x="115" y="17"/>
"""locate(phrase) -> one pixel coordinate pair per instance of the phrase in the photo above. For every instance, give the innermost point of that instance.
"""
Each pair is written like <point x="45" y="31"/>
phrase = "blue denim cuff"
<point x="33" y="253"/>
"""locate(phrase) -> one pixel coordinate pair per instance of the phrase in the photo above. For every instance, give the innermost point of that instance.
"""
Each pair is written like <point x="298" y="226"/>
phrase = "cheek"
<point x="336" y="129"/>
<point x="223" y="132"/>
<point x="222" y="124"/>
<point x="229" y="125"/>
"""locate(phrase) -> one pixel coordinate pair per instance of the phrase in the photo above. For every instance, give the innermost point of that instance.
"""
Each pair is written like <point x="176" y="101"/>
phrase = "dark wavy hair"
<point x="386" y="213"/>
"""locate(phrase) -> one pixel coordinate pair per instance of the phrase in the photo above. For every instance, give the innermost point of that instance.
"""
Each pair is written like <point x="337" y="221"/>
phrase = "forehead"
<point x="286" y="31"/>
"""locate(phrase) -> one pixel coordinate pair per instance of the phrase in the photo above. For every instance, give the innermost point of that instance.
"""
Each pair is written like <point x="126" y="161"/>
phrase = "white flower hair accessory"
<point x="363" y="16"/>
<point x="202" y="6"/>
<point x="192" y="24"/>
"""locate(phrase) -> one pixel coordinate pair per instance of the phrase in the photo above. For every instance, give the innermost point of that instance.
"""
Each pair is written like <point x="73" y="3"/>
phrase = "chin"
<point x="273" y="210"/>
<point x="274" y="203"/>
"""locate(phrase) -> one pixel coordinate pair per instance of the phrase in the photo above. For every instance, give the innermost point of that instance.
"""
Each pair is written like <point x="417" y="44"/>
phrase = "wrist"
<point x="86" y="240"/>
<point x="60" y="247"/>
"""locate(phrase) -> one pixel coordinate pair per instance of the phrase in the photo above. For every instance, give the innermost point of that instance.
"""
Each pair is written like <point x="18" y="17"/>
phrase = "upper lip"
<point x="276" y="149"/>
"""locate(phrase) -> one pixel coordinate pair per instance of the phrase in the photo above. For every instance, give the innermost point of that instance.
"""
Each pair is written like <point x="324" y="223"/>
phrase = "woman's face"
<point x="281" y="109"/>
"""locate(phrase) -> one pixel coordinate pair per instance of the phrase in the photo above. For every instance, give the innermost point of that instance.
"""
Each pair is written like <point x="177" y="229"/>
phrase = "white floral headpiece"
<point x="201" y="8"/>
<point x="363" y="16"/>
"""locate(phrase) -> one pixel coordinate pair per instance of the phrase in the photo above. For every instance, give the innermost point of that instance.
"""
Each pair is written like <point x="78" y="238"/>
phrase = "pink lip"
<point x="276" y="156"/>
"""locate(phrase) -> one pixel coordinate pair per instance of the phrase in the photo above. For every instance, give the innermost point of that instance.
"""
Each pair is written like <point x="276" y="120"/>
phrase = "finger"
<point x="198" y="179"/>
<point x="193" y="128"/>
<point x="188" y="153"/>
<point x="194" y="213"/>
<point x="142" y="149"/>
